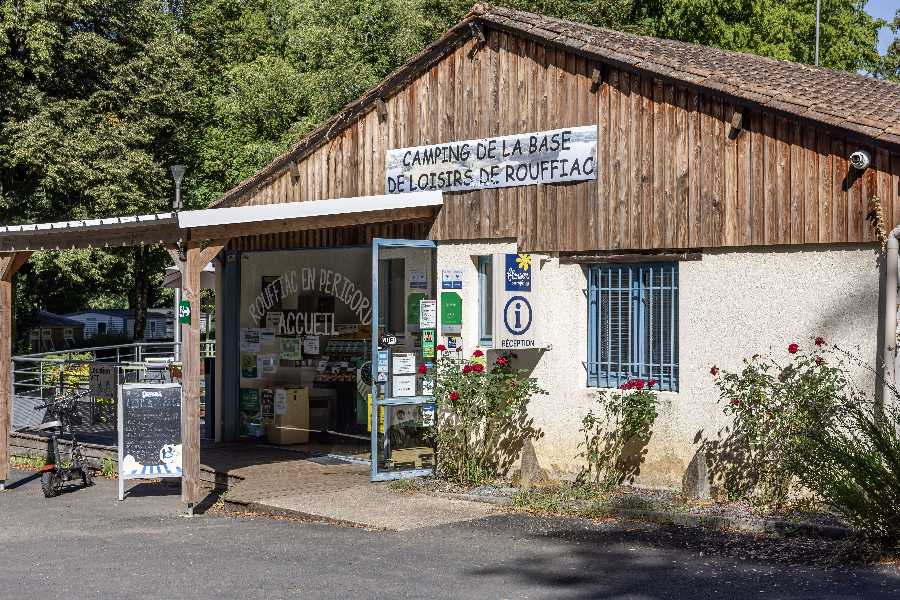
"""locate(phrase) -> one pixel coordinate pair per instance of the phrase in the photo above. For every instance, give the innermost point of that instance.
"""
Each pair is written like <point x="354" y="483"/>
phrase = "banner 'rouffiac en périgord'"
<point x="526" y="159"/>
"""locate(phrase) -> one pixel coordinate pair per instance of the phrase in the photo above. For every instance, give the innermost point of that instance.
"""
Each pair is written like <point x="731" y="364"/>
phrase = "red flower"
<point x="454" y="396"/>
<point x="736" y="402"/>
<point x="638" y="383"/>
<point x="441" y="347"/>
<point x="459" y="349"/>
<point x="793" y="348"/>
<point x="478" y="368"/>
<point x="820" y="341"/>
<point x="818" y="360"/>
<point x="714" y="370"/>
<point x="756" y="356"/>
<point x="502" y="361"/>
<point x="652" y="382"/>
<point x="422" y="369"/>
<point x="478" y="353"/>
<point x="624" y="386"/>
<point x="467" y="369"/>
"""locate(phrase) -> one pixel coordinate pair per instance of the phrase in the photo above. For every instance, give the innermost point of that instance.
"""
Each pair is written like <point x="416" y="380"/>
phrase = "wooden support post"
<point x="190" y="368"/>
<point x="10" y="262"/>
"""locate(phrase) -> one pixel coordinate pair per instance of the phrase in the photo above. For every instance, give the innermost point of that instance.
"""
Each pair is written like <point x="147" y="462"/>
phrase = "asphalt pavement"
<point x="87" y="544"/>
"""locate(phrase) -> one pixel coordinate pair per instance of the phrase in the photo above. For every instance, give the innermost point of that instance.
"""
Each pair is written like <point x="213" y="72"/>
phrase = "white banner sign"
<point x="526" y="159"/>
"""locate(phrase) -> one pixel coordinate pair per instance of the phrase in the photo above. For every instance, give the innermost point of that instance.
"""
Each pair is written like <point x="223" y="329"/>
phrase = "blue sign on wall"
<point x="518" y="273"/>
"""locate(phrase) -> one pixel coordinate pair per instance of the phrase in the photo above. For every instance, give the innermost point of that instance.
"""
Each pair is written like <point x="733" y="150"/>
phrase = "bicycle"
<point x="53" y="476"/>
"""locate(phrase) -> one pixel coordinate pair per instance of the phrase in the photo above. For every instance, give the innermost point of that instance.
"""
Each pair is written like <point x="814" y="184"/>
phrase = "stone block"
<point x="530" y="472"/>
<point x="695" y="481"/>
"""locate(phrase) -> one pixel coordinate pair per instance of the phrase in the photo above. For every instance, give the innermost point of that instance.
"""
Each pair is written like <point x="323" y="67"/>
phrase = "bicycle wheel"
<point x="49" y="484"/>
<point x="86" y="476"/>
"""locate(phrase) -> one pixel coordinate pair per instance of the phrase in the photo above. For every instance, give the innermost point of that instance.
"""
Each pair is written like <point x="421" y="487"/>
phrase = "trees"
<point x="95" y="104"/>
<point x="889" y="68"/>
<point x="783" y="29"/>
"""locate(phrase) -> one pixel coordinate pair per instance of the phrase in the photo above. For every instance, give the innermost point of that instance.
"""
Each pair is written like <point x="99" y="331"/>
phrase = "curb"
<point x="239" y="507"/>
<point x="472" y="498"/>
<point x="784" y="528"/>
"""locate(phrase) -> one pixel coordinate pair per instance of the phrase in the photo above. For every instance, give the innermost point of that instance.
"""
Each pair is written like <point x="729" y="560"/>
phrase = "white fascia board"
<point x="90" y="224"/>
<point x="299" y="210"/>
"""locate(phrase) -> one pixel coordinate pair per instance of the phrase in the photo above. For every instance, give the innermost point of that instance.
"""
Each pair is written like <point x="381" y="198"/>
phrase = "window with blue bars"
<point x="633" y="324"/>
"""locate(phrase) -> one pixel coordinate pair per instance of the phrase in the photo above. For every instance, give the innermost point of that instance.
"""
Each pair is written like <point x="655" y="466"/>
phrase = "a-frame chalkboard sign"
<point x="149" y="432"/>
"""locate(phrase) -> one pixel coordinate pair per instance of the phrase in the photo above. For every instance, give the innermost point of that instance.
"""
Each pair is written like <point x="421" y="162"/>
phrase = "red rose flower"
<point x="638" y="383"/>
<point x="478" y="353"/>
<point x="441" y="347"/>
<point x="714" y="370"/>
<point x="478" y="368"/>
<point x="422" y="369"/>
<point x="502" y="361"/>
<point x="820" y="341"/>
<point x="467" y="369"/>
<point x="818" y="360"/>
<point x="624" y="386"/>
<point x="756" y="356"/>
<point x="736" y="402"/>
<point x="454" y="396"/>
<point x="652" y="382"/>
<point x="793" y="348"/>
<point x="458" y="349"/>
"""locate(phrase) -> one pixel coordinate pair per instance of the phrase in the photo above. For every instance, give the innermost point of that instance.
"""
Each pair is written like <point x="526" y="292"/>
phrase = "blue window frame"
<point x="485" y="300"/>
<point x="633" y="324"/>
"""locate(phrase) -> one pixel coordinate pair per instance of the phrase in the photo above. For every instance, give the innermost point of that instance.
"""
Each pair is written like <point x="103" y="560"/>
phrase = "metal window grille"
<point x="633" y="324"/>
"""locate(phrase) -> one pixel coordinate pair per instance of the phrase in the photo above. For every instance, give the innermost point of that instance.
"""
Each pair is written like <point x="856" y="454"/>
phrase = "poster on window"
<point x="516" y="301"/>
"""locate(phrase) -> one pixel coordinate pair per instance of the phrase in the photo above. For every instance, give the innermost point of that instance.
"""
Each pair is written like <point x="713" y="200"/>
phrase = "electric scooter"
<point x="53" y="476"/>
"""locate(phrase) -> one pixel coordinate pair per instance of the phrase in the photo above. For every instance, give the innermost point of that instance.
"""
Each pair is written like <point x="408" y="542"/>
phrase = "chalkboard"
<point x="149" y="430"/>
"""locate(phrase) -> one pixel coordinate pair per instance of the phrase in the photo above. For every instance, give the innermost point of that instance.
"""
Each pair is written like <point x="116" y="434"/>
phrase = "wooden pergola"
<point x="193" y="239"/>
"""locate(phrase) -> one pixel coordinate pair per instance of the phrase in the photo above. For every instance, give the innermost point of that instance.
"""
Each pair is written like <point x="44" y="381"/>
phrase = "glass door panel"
<point x="403" y="343"/>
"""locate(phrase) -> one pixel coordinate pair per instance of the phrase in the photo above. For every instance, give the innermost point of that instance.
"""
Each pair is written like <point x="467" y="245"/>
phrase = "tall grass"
<point x="856" y="468"/>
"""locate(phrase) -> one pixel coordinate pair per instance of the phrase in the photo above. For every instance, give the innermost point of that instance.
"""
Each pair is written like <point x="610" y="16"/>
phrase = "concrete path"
<point x="375" y="505"/>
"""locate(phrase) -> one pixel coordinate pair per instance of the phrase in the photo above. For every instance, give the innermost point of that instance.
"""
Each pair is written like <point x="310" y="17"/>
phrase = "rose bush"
<point x="476" y="407"/>
<point x="777" y="406"/>
<point x="627" y="412"/>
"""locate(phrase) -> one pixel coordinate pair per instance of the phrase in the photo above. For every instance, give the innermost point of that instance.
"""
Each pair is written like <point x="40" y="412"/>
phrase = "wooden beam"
<point x="9" y="264"/>
<point x="190" y="369"/>
<point x="211" y="251"/>
<point x="628" y="258"/>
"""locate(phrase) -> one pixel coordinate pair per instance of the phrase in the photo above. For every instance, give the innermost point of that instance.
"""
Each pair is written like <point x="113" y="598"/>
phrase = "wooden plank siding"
<point x="671" y="174"/>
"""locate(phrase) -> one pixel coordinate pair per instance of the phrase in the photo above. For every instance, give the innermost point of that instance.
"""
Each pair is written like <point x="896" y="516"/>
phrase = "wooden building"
<point x="724" y="183"/>
<point x="735" y="205"/>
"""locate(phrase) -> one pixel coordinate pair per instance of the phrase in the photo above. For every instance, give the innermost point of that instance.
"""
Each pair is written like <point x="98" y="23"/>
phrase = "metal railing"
<point x="36" y="377"/>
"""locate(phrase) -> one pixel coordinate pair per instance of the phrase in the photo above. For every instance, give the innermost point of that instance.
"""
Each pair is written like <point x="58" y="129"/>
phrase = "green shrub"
<point x="30" y="462"/>
<point x="777" y="406"/>
<point x="477" y="406"/>
<point x="108" y="468"/>
<point x="625" y="413"/>
<point x="855" y="468"/>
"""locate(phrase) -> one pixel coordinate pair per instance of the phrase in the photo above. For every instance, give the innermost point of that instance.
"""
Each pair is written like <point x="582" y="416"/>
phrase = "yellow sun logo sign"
<point x="524" y="261"/>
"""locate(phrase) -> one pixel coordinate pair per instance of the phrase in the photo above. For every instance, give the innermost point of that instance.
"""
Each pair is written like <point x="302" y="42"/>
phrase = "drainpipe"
<point x="890" y="316"/>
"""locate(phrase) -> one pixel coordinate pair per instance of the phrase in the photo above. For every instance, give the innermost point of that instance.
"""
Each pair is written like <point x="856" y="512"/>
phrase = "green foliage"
<point x="477" y="407"/>
<point x="778" y="407"/>
<point x="72" y="373"/>
<point x="783" y="29"/>
<point x="855" y="467"/>
<point x="567" y="499"/>
<point x="30" y="462"/>
<point x="404" y="483"/>
<point x="108" y="469"/>
<point x="627" y="412"/>
<point x="889" y="68"/>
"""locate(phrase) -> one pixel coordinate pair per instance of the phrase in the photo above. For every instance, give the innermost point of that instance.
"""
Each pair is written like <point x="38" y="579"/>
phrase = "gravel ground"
<point x="645" y="499"/>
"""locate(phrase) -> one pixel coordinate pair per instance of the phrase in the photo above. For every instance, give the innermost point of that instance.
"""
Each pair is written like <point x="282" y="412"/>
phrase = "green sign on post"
<point x="451" y="313"/>
<point x="184" y="311"/>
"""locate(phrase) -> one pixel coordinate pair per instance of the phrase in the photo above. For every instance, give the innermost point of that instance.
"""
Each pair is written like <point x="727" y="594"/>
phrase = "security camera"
<point x="861" y="159"/>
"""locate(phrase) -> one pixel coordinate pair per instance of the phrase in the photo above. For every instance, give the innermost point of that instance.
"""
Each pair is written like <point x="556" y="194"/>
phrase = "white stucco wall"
<point x="733" y="303"/>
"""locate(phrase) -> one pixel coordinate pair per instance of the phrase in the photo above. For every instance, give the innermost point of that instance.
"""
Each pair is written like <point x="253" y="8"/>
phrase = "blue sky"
<point x="884" y="9"/>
